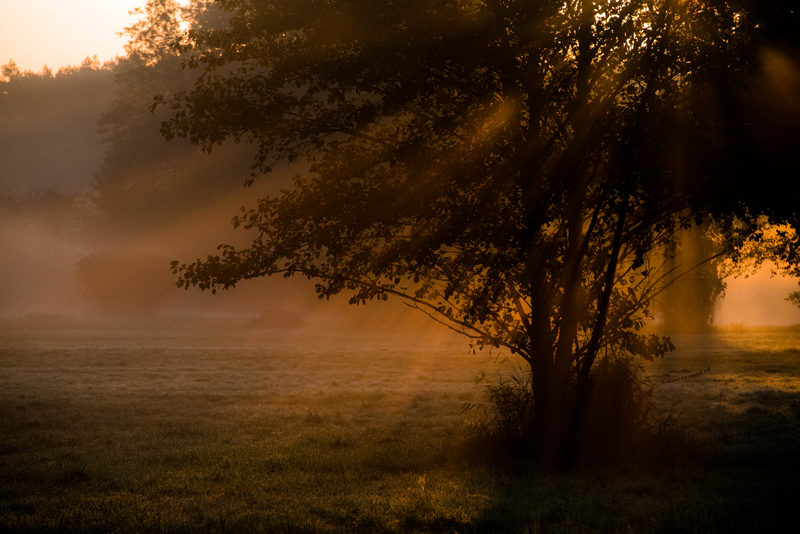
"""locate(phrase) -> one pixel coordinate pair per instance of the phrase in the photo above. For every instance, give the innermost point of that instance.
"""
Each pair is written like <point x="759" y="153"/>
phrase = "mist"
<point x="95" y="204"/>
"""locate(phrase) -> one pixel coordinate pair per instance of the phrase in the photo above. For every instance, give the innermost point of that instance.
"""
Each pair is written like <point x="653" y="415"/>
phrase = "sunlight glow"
<point x="759" y="299"/>
<point x="58" y="33"/>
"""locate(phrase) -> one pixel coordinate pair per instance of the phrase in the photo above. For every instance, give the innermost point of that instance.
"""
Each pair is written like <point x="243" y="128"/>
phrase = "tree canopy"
<point x="513" y="169"/>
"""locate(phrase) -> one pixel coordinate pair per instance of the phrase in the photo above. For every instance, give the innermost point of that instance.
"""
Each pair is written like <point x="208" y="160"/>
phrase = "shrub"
<point x="618" y="423"/>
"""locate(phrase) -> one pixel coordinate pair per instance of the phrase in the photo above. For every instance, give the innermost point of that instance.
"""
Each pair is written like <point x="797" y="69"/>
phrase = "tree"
<point x="512" y="169"/>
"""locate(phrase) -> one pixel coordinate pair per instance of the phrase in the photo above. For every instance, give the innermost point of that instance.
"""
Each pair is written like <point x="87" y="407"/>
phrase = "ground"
<point x="237" y="430"/>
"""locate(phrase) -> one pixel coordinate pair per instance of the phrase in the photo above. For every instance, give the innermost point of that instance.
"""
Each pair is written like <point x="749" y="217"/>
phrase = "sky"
<point x="57" y="33"/>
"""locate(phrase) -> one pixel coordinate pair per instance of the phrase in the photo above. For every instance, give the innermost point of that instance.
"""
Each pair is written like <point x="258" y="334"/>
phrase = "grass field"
<point x="232" y="431"/>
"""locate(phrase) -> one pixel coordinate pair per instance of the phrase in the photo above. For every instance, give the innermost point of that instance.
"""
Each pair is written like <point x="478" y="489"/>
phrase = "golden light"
<point x="57" y="33"/>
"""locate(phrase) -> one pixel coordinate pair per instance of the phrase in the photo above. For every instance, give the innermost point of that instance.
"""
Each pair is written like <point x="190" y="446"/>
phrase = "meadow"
<point x="229" y="430"/>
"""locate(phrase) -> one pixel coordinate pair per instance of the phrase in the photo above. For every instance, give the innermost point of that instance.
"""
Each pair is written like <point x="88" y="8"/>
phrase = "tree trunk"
<point x="576" y="416"/>
<point x="551" y="392"/>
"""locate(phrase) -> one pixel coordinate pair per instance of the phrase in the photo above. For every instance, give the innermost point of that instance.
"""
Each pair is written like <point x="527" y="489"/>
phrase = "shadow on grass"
<point x="743" y="480"/>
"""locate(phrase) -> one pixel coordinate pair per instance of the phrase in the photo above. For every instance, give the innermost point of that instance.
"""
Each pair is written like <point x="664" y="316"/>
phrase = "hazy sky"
<point x="61" y="32"/>
<point x="758" y="299"/>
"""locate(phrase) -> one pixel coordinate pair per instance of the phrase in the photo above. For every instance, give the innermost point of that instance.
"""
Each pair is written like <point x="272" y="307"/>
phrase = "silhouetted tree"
<point x="689" y="304"/>
<point x="513" y="169"/>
